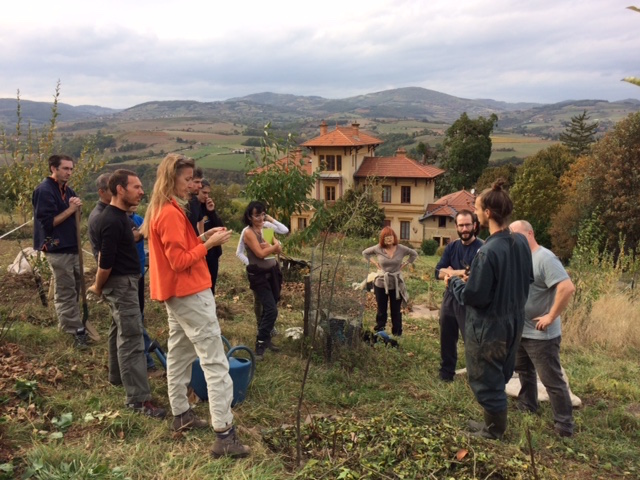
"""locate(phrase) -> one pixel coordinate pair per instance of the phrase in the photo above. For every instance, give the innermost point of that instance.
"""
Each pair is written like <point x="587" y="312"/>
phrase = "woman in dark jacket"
<point x="495" y="293"/>
<point x="265" y="278"/>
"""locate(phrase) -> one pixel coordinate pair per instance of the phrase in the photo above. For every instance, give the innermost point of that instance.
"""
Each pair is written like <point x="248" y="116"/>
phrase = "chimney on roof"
<point x="356" y="127"/>
<point x="323" y="128"/>
<point x="401" y="152"/>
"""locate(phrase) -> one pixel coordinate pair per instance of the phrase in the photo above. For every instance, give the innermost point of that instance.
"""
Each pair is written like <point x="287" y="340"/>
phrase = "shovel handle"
<point x="83" y="286"/>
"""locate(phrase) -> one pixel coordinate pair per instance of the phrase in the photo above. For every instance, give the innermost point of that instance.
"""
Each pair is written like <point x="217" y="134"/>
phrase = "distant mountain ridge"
<point x="39" y="113"/>
<point x="409" y="102"/>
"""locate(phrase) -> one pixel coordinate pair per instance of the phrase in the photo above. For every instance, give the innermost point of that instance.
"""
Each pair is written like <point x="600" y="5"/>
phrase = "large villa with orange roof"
<point x="345" y="158"/>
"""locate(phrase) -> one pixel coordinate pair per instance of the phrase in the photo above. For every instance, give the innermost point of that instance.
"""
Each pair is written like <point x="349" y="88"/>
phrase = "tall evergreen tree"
<point x="579" y="134"/>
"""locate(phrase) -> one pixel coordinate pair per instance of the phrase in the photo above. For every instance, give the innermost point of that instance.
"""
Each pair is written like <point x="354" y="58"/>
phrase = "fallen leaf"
<point x="461" y="454"/>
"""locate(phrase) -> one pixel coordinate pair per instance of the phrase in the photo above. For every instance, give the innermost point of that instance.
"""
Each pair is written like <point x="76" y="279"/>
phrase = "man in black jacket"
<point x="210" y="219"/>
<point x="54" y="233"/>
<point x="494" y="294"/>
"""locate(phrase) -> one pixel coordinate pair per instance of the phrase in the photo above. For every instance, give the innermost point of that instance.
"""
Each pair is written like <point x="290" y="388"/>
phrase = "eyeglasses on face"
<point x="467" y="226"/>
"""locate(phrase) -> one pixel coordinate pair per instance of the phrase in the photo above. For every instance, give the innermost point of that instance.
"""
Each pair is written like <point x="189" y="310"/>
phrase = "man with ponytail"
<point x="494" y="293"/>
<point x="179" y="277"/>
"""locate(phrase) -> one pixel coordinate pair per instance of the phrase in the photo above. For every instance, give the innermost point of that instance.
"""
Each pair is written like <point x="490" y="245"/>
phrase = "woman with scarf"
<point x="388" y="256"/>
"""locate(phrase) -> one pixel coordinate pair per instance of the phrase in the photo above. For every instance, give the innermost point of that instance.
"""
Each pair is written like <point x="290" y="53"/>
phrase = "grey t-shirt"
<point x="548" y="272"/>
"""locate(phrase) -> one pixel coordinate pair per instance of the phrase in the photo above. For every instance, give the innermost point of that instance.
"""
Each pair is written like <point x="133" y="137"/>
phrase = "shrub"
<point x="429" y="247"/>
<point x="440" y="250"/>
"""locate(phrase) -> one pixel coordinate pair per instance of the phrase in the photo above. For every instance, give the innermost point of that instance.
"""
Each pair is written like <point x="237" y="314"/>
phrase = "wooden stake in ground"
<point x="83" y="287"/>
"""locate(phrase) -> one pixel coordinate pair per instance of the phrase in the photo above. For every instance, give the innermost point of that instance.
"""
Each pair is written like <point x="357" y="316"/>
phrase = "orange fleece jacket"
<point x="177" y="265"/>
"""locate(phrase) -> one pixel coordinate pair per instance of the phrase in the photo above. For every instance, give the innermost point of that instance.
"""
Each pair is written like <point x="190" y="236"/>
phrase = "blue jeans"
<point x="543" y="357"/>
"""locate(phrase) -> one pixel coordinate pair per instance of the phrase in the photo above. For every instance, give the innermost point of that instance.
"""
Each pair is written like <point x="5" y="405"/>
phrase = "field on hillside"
<point x="374" y="412"/>
<point x="213" y="143"/>
<point x="514" y="145"/>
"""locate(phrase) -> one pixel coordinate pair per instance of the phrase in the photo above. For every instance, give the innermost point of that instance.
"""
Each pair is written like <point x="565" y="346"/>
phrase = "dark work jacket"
<point x="48" y="202"/>
<point x="495" y="295"/>
<point x="265" y="278"/>
<point x="501" y="273"/>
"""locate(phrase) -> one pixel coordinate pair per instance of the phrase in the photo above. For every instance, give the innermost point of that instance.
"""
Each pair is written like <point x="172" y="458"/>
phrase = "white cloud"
<point x="121" y="53"/>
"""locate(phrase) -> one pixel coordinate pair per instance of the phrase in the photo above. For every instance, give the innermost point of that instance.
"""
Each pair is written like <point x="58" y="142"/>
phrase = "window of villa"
<point x="442" y="222"/>
<point x="405" y="194"/>
<point x="332" y="163"/>
<point x="386" y="194"/>
<point x="386" y="223"/>
<point x="405" y="230"/>
<point x="302" y="223"/>
<point x="330" y="194"/>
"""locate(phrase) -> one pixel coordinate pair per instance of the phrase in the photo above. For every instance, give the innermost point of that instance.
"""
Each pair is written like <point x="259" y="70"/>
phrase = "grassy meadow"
<point x="374" y="412"/>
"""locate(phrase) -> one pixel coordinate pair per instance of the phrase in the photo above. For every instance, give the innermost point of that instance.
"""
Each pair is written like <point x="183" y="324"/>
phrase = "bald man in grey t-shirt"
<point x="539" y="349"/>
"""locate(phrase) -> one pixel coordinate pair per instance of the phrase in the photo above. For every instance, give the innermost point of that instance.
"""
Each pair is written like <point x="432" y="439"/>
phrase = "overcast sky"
<point x="120" y="53"/>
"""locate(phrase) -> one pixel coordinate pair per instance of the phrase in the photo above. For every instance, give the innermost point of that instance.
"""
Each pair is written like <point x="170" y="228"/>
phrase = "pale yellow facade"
<point x="403" y="199"/>
<point x="441" y="229"/>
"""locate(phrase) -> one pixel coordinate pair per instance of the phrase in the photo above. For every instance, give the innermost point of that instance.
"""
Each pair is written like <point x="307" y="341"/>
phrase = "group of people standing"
<point x="505" y="305"/>
<point x="504" y="297"/>
<point x="179" y="277"/>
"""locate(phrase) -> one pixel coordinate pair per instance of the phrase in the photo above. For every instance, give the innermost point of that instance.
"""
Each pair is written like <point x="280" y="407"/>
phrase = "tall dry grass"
<point x="612" y="321"/>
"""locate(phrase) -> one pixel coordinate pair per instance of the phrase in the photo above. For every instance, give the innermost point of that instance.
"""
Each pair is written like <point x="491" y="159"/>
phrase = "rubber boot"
<point x="495" y="424"/>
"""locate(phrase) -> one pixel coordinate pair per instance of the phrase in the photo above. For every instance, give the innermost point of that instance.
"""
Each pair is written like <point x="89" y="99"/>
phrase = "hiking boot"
<point x="227" y="444"/>
<point x="271" y="346"/>
<point x="561" y="432"/>
<point x="155" y="372"/>
<point x="188" y="421"/>
<point x="260" y="349"/>
<point x="81" y="339"/>
<point x="147" y="408"/>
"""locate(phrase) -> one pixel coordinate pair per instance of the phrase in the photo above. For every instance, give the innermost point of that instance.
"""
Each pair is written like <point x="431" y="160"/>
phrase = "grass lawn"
<point x="374" y="412"/>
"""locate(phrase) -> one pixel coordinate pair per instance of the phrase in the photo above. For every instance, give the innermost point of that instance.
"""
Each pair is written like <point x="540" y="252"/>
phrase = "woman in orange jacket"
<point x="179" y="277"/>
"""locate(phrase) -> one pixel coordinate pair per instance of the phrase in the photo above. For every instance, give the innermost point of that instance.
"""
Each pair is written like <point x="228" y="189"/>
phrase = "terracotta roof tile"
<point x="450" y="205"/>
<point x="343" y="137"/>
<point x="399" y="166"/>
